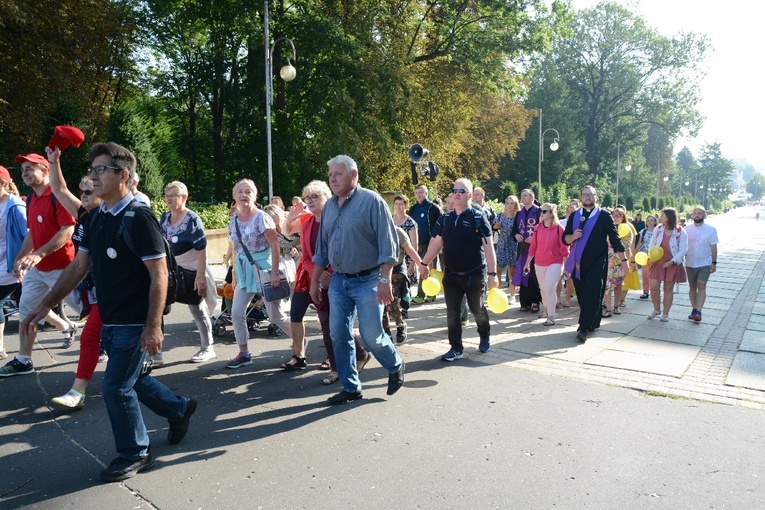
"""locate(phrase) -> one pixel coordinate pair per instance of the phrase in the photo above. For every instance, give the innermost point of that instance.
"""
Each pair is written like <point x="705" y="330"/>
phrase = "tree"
<point x="756" y="186"/>
<point x="610" y="81"/>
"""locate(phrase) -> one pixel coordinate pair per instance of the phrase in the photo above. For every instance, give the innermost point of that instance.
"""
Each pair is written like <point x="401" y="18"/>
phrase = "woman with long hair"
<point x="315" y="195"/>
<point x="549" y="253"/>
<point x="507" y="246"/>
<point x="645" y="239"/>
<point x="253" y="234"/>
<point x="185" y="233"/>
<point x="619" y="215"/>
<point x="669" y="269"/>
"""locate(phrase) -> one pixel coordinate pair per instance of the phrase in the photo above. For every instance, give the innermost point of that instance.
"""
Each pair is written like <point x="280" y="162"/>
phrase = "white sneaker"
<point x="103" y="358"/>
<point x="511" y="301"/>
<point x="3" y="354"/>
<point x="203" y="355"/>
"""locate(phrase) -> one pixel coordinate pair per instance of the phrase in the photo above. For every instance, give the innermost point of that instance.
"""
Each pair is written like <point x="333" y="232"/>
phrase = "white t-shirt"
<point x="700" y="241"/>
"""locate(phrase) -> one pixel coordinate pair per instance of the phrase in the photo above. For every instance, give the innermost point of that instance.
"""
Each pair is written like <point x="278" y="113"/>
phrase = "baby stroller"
<point x="256" y="312"/>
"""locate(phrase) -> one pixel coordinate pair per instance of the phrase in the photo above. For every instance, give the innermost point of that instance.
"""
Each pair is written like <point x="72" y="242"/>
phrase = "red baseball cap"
<point x="5" y="174"/>
<point x="33" y="158"/>
<point x="64" y="136"/>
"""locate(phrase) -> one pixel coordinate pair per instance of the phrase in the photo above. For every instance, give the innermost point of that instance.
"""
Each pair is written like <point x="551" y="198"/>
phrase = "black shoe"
<point x="344" y="397"/>
<point x="121" y="469"/>
<point x="581" y="335"/>
<point x="401" y="334"/>
<point x="395" y="381"/>
<point x="179" y="428"/>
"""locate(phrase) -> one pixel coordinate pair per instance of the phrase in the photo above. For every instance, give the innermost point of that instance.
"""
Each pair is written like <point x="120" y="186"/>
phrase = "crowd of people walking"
<point x="338" y="249"/>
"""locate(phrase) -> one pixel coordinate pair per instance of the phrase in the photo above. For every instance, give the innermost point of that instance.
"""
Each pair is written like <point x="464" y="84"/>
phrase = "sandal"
<point x="617" y="311"/>
<point x="535" y="308"/>
<point x="524" y="308"/>
<point x="566" y="305"/>
<point x="330" y="378"/>
<point x="606" y="313"/>
<point x="653" y="315"/>
<point x="325" y="365"/>
<point x="549" y="322"/>
<point x="294" y="363"/>
<point x="623" y="304"/>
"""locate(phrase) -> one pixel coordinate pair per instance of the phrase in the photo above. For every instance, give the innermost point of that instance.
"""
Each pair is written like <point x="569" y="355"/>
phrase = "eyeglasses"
<point x="86" y="192"/>
<point x="461" y="191"/>
<point x="544" y="211"/>
<point x="588" y="194"/>
<point x="99" y="169"/>
<point x="311" y="198"/>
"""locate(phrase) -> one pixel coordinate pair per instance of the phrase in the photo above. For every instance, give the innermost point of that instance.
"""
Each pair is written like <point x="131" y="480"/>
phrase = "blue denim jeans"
<point x="124" y="385"/>
<point x="358" y="296"/>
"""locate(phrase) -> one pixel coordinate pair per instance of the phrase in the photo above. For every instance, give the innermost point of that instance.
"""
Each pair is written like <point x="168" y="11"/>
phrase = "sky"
<point x="731" y="93"/>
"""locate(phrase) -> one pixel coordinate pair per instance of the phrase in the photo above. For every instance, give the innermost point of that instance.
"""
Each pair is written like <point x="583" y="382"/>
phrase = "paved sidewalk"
<point x="721" y="359"/>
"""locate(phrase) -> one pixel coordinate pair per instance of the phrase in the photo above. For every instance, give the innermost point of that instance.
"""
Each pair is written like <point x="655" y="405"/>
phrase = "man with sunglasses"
<point x="588" y="231"/>
<point x="134" y="280"/>
<point x="464" y="234"/>
<point x="46" y="250"/>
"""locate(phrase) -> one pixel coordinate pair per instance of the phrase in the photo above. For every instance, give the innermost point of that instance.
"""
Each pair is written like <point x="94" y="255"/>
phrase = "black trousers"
<point x="589" y="293"/>
<point x="531" y="294"/>
<point x="474" y="287"/>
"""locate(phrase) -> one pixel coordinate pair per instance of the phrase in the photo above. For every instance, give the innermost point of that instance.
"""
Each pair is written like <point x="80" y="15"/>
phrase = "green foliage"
<point x="646" y="204"/>
<point x="607" y="200"/>
<point x="510" y="188"/>
<point x="629" y="203"/>
<point x="212" y="215"/>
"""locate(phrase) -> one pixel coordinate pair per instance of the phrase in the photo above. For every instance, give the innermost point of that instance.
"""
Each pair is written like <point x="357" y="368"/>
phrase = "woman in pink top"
<point x="549" y="252"/>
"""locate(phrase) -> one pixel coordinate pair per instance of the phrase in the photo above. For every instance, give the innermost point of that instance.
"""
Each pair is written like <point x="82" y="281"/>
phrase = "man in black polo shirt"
<point x="133" y="290"/>
<point x="464" y="234"/>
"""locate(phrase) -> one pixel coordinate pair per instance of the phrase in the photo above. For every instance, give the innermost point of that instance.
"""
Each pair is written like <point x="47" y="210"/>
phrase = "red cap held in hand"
<point x="64" y="136"/>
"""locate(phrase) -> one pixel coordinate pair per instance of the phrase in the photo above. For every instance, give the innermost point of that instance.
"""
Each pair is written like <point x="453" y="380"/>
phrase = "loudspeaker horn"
<point x="417" y="152"/>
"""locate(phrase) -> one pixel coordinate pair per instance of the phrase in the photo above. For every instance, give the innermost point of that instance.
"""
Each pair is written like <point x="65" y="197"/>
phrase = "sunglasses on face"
<point x="311" y="198"/>
<point x="461" y="191"/>
<point x="544" y="211"/>
<point x="86" y="192"/>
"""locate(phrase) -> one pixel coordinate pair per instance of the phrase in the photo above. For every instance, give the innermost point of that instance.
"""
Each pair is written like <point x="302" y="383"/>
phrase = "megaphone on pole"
<point x="417" y="152"/>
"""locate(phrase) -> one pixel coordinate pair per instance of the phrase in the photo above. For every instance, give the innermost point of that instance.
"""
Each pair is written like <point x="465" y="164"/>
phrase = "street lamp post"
<point x="628" y="167"/>
<point x="288" y="74"/>
<point x="553" y="147"/>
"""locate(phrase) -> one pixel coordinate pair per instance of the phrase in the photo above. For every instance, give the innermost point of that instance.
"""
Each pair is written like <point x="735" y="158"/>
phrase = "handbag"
<point x="184" y="287"/>
<point x="523" y="248"/>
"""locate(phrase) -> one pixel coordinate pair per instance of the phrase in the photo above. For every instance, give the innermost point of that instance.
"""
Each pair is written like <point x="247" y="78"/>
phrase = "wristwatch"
<point x="714" y="262"/>
<point x="384" y="280"/>
<point x="492" y="274"/>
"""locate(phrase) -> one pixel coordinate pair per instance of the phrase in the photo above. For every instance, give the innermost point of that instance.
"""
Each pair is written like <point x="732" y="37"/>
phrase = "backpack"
<point x="124" y="231"/>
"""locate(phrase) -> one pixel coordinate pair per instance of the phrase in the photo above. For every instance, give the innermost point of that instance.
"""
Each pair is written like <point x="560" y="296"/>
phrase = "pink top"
<point x="547" y="246"/>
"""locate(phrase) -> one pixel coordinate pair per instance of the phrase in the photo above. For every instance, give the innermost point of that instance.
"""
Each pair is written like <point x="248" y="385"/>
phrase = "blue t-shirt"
<point x="188" y="235"/>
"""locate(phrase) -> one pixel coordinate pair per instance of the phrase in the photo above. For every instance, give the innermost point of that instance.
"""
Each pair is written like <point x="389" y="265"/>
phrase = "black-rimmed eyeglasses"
<point x="99" y="169"/>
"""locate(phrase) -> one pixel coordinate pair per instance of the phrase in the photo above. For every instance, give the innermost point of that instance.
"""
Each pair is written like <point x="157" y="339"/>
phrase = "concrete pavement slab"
<point x="752" y="341"/>
<point x="747" y="370"/>
<point x="647" y="356"/>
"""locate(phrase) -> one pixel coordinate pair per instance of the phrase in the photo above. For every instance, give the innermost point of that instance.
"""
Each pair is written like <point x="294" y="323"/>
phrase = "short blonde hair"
<point x="242" y="182"/>
<point x="316" y="188"/>
<point x="182" y="189"/>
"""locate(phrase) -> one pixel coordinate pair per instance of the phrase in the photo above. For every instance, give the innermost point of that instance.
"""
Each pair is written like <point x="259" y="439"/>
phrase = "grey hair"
<point x="344" y="160"/>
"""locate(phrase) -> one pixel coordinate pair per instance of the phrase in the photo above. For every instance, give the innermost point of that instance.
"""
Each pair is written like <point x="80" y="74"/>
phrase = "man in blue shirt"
<point x="425" y="213"/>
<point x="358" y="239"/>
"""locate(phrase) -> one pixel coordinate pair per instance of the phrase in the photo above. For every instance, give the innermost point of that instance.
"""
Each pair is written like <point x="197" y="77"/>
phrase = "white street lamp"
<point x="553" y="147"/>
<point x="287" y="73"/>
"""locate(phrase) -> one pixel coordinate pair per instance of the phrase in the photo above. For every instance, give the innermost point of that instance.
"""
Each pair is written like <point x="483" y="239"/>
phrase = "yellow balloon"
<point x="431" y="286"/>
<point x="624" y="230"/>
<point x="497" y="300"/>
<point x="437" y="274"/>
<point x="656" y="253"/>
<point x="641" y="258"/>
